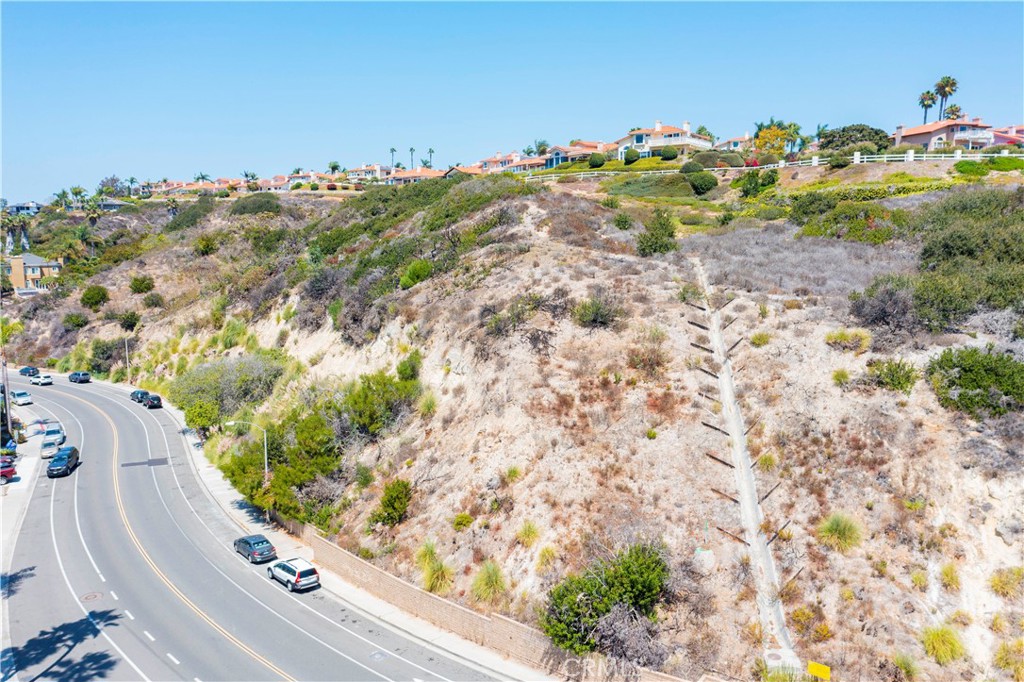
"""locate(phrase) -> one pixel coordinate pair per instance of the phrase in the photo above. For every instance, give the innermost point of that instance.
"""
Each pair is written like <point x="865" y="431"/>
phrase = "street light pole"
<point x="266" y="454"/>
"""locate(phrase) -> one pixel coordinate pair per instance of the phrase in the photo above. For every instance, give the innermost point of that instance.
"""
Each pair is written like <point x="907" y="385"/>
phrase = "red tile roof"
<point x="939" y="125"/>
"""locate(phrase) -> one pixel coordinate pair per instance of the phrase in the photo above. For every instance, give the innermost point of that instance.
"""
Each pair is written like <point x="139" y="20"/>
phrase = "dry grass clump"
<point x="759" y="339"/>
<point x="950" y="578"/>
<point x="648" y="354"/>
<point x="856" y="340"/>
<point x="840" y="532"/>
<point x="943" y="644"/>
<point x="546" y="559"/>
<point x="528" y="534"/>
<point x="438" y="577"/>
<point x="1008" y="582"/>
<point x="907" y="664"/>
<point x="489" y="584"/>
<point x="1010" y="657"/>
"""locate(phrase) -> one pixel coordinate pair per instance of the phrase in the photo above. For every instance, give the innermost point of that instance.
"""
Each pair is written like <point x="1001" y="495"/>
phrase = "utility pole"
<point x="127" y="360"/>
<point x="3" y="359"/>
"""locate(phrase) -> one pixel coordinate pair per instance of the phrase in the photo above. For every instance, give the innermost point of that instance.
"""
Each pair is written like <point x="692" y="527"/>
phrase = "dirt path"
<point x="773" y="619"/>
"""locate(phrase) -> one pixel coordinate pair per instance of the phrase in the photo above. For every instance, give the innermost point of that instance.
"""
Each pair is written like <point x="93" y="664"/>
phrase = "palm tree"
<point x="78" y="192"/>
<point x="202" y="177"/>
<point x="63" y="199"/>
<point x="430" y="157"/>
<point x="945" y="88"/>
<point x="93" y="212"/>
<point x="172" y="207"/>
<point x="296" y="171"/>
<point x="392" y="150"/>
<point x="131" y="182"/>
<point x="249" y="176"/>
<point x="333" y="167"/>
<point x="792" y="135"/>
<point x="926" y="101"/>
<point x="87" y="238"/>
<point x="820" y="130"/>
<point x="772" y="123"/>
<point x="528" y="150"/>
<point x="953" y="112"/>
<point x="69" y="248"/>
<point x="541" y="146"/>
<point x="412" y="150"/>
<point x="9" y="329"/>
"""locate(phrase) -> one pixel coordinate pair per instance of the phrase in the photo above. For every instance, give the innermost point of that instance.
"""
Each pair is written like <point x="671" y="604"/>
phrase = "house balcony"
<point x="982" y="137"/>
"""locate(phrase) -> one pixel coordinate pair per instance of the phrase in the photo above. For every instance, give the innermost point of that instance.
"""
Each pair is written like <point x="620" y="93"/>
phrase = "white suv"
<point x="50" y="447"/>
<point x="296" y="574"/>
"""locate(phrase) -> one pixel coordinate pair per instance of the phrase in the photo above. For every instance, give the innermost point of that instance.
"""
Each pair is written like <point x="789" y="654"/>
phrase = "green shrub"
<point x="702" y="182"/>
<point x="943" y="644"/>
<point x="651" y="186"/>
<point x="416" y="272"/>
<point x="707" y="159"/>
<point x="691" y="167"/>
<point x="837" y="161"/>
<point x="838" y="138"/>
<point x="767" y="159"/>
<point x="153" y="300"/>
<point x="314" y="186"/>
<point x="732" y="160"/>
<point x="981" y="383"/>
<point x="260" y="202"/>
<point x="631" y="156"/>
<point x="811" y="205"/>
<point x="600" y="310"/>
<point x="950" y="578"/>
<point x="232" y="332"/>
<point x="205" y="245"/>
<point x="689" y="292"/>
<point x="202" y="414"/>
<point x="637" y="578"/>
<point x="859" y="222"/>
<point x="770" y="213"/>
<point x="373" y="404"/>
<point x="1006" y="163"/>
<point x="73" y="321"/>
<point x="363" y="475"/>
<point x="296" y="185"/>
<point x="610" y="202"/>
<point x="230" y="383"/>
<point x="129" y="320"/>
<point x="462" y="521"/>
<point x="895" y="375"/>
<point x="394" y="503"/>
<point x="669" y="153"/>
<point x="409" y="368"/>
<point x="972" y="169"/>
<point x="856" y="340"/>
<point x="840" y="532"/>
<point x="659" y="235"/>
<point x="841" y="377"/>
<point x="596" y="160"/>
<point x="623" y="221"/>
<point x="759" y="339"/>
<point x="94" y="297"/>
<point x="221" y="194"/>
<point x="191" y="215"/>
<point x="438" y="577"/>
<point x="142" y="284"/>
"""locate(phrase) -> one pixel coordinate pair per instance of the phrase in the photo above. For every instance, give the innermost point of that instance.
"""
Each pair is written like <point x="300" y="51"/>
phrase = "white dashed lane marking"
<point x="151" y="637"/>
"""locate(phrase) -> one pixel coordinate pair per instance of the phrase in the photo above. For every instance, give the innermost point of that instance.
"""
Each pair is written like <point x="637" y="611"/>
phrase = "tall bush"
<point x="631" y="156"/>
<point x="394" y="503"/>
<point x="260" y="202"/>
<point x="669" y="153"/>
<point x="702" y="182"/>
<point x="94" y="297"/>
<point x="659" y="235"/>
<point x="596" y="160"/>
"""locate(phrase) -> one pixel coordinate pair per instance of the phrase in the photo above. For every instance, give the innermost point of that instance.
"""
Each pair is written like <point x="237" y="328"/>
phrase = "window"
<point x="639" y="139"/>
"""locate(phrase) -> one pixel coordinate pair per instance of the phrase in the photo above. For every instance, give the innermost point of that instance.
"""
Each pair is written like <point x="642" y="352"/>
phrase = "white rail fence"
<point x="857" y="158"/>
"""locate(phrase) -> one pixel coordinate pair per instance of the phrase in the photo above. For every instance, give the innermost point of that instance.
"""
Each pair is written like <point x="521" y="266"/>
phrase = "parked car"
<point x="50" y="446"/>
<point x="138" y="395"/>
<point x="28" y="371"/>
<point x="21" y="398"/>
<point x="79" y="377"/>
<point x="295" y="574"/>
<point x="152" y="401"/>
<point x="7" y="472"/>
<point x="41" y="380"/>
<point x="54" y="430"/>
<point x="63" y="463"/>
<point x="255" y="548"/>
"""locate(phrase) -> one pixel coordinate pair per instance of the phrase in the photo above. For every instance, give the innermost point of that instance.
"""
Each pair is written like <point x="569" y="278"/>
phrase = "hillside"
<point x="548" y="395"/>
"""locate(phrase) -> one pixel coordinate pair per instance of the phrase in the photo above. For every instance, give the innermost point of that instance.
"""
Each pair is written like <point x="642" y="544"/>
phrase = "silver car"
<point x="296" y="574"/>
<point x="54" y="431"/>
<point x="21" y="398"/>
<point x="49" y="447"/>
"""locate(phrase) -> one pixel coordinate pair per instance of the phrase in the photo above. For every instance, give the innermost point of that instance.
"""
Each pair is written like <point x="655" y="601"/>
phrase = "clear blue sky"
<point x="168" y="90"/>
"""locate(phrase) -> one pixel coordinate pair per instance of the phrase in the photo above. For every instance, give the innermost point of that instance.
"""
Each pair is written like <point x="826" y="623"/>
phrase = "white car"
<point x="296" y="574"/>
<point x="42" y="380"/>
<point x="54" y="431"/>
<point x="50" y="447"/>
<point x="21" y="398"/>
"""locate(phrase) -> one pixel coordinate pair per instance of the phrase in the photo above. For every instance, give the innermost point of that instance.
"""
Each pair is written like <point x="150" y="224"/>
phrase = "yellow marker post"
<point x="822" y="672"/>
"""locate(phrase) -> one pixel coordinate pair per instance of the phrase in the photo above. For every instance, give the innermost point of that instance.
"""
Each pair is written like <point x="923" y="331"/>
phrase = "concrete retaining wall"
<point x="504" y="635"/>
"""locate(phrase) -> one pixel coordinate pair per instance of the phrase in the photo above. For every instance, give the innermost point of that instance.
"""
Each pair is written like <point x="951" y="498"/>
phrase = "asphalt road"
<point x="124" y="570"/>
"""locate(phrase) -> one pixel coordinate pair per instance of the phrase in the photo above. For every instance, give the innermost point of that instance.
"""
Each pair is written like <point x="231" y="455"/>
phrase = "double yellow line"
<point x="160" y="574"/>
